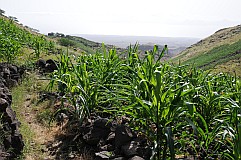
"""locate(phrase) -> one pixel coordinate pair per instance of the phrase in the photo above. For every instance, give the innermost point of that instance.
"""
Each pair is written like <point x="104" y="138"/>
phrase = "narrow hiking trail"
<point x="37" y="134"/>
<point x="43" y="140"/>
<point x="47" y="140"/>
<point x="41" y="134"/>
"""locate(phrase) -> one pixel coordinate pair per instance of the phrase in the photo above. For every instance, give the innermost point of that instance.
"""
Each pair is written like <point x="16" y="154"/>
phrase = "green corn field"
<point x="180" y="109"/>
<point x="13" y="39"/>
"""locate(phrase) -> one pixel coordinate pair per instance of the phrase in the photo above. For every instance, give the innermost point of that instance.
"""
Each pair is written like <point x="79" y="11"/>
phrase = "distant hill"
<point x="171" y="51"/>
<point x="79" y="43"/>
<point x="220" y="51"/>
<point x="125" y="41"/>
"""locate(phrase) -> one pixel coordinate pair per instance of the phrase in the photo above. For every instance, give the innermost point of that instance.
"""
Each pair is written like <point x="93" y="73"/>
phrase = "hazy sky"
<point x="169" y="18"/>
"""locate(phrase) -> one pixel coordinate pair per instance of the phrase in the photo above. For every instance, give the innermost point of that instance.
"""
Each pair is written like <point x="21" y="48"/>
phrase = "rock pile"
<point x="114" y="141"/>
<point x="47" y="66"/>
<point x="11" y="143"/>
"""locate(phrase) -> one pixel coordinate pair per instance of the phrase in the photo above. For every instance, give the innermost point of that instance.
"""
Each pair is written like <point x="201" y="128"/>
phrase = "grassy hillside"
<point x="21" y="44"/>
<point x="15" y="39"/>
<point x="222" y="47"/>
<point x="78" y="43"/>
<point x="106" y="103"/>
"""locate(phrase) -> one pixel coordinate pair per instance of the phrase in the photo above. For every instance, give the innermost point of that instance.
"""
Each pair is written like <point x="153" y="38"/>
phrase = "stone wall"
<point x="11" y="143"/>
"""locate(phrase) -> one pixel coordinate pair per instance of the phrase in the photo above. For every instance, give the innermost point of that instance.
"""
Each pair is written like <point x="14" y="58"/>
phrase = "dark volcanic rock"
<point x="110" y="140"/>
<point x="6" y="73"/>
<point x="51" y="65"/>
<point x="137" y="147"/>
<point x="12" y="82"/>
<point x="123" y="135"/>
<point x="99" y="130"/>
<point x="12" y="143"/>
<point x="102" y="123"/>
<point x="9" y="74"/>
<point x="13" y="69"/>
<point x="41" y="63"/>
<point x="5" y="94"/>
<point x="3" y="104"/>
<point x="130" y="149"/>
<point x="46" y="66"/>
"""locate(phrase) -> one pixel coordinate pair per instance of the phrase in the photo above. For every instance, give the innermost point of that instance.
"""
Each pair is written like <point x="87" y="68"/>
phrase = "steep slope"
<point x="22" y="43"/>
<point x="222" y="47"/>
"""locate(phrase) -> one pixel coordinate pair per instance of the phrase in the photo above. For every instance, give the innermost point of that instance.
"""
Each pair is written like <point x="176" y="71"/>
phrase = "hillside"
<point x="171" y="51"/>
<point x="23" y="44"/>
<point x="78" y="43"/>
<point x="79" y="105"/>
<point x="20" y="42"/>
<point x="22" y="82"/>
<point x="215" y="51"/>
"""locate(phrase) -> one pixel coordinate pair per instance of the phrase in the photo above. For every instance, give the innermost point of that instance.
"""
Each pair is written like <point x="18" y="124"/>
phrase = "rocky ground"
<point x="97" y="138"/>
<point x="11" y="142"/>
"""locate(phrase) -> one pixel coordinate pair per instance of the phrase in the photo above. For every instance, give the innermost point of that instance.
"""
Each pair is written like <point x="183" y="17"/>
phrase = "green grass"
<point x="28" y="88"/>
<point x="78" y="43"/>
<point x="214" y="52"/>
<point x="19" y="94"/>
<point x="217" y="55"/>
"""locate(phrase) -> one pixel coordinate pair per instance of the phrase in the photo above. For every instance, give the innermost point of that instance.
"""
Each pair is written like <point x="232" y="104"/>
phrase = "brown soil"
<point x="47" y="140"/>
<point x="42" y="134"/>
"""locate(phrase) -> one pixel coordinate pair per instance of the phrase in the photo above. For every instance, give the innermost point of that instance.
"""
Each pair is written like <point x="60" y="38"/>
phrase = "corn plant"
<point x="13" y="38"/>
<point x="178" y="108"/>
<point x="9" y="49"/>
<point x="86" y="81"/>
<point x="152" y="103"/>
<point x="232" y="119"/>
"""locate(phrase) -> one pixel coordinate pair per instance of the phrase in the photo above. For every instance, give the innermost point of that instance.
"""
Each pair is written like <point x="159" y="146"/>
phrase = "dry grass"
<point x="232" y="67"/>
<point x="24" y="97"/>
<point x="221" y="37"/>
<point x="37" y="133"/>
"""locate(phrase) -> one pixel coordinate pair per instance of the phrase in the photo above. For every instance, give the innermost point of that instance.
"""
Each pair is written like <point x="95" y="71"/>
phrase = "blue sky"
<point x="169" y="18"/>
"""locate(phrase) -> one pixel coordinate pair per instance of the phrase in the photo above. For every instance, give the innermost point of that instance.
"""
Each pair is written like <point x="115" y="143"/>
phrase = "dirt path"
<point x="42" y="135"/>
<point x="36" y="135"/>
<point x="42" y="141"/>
